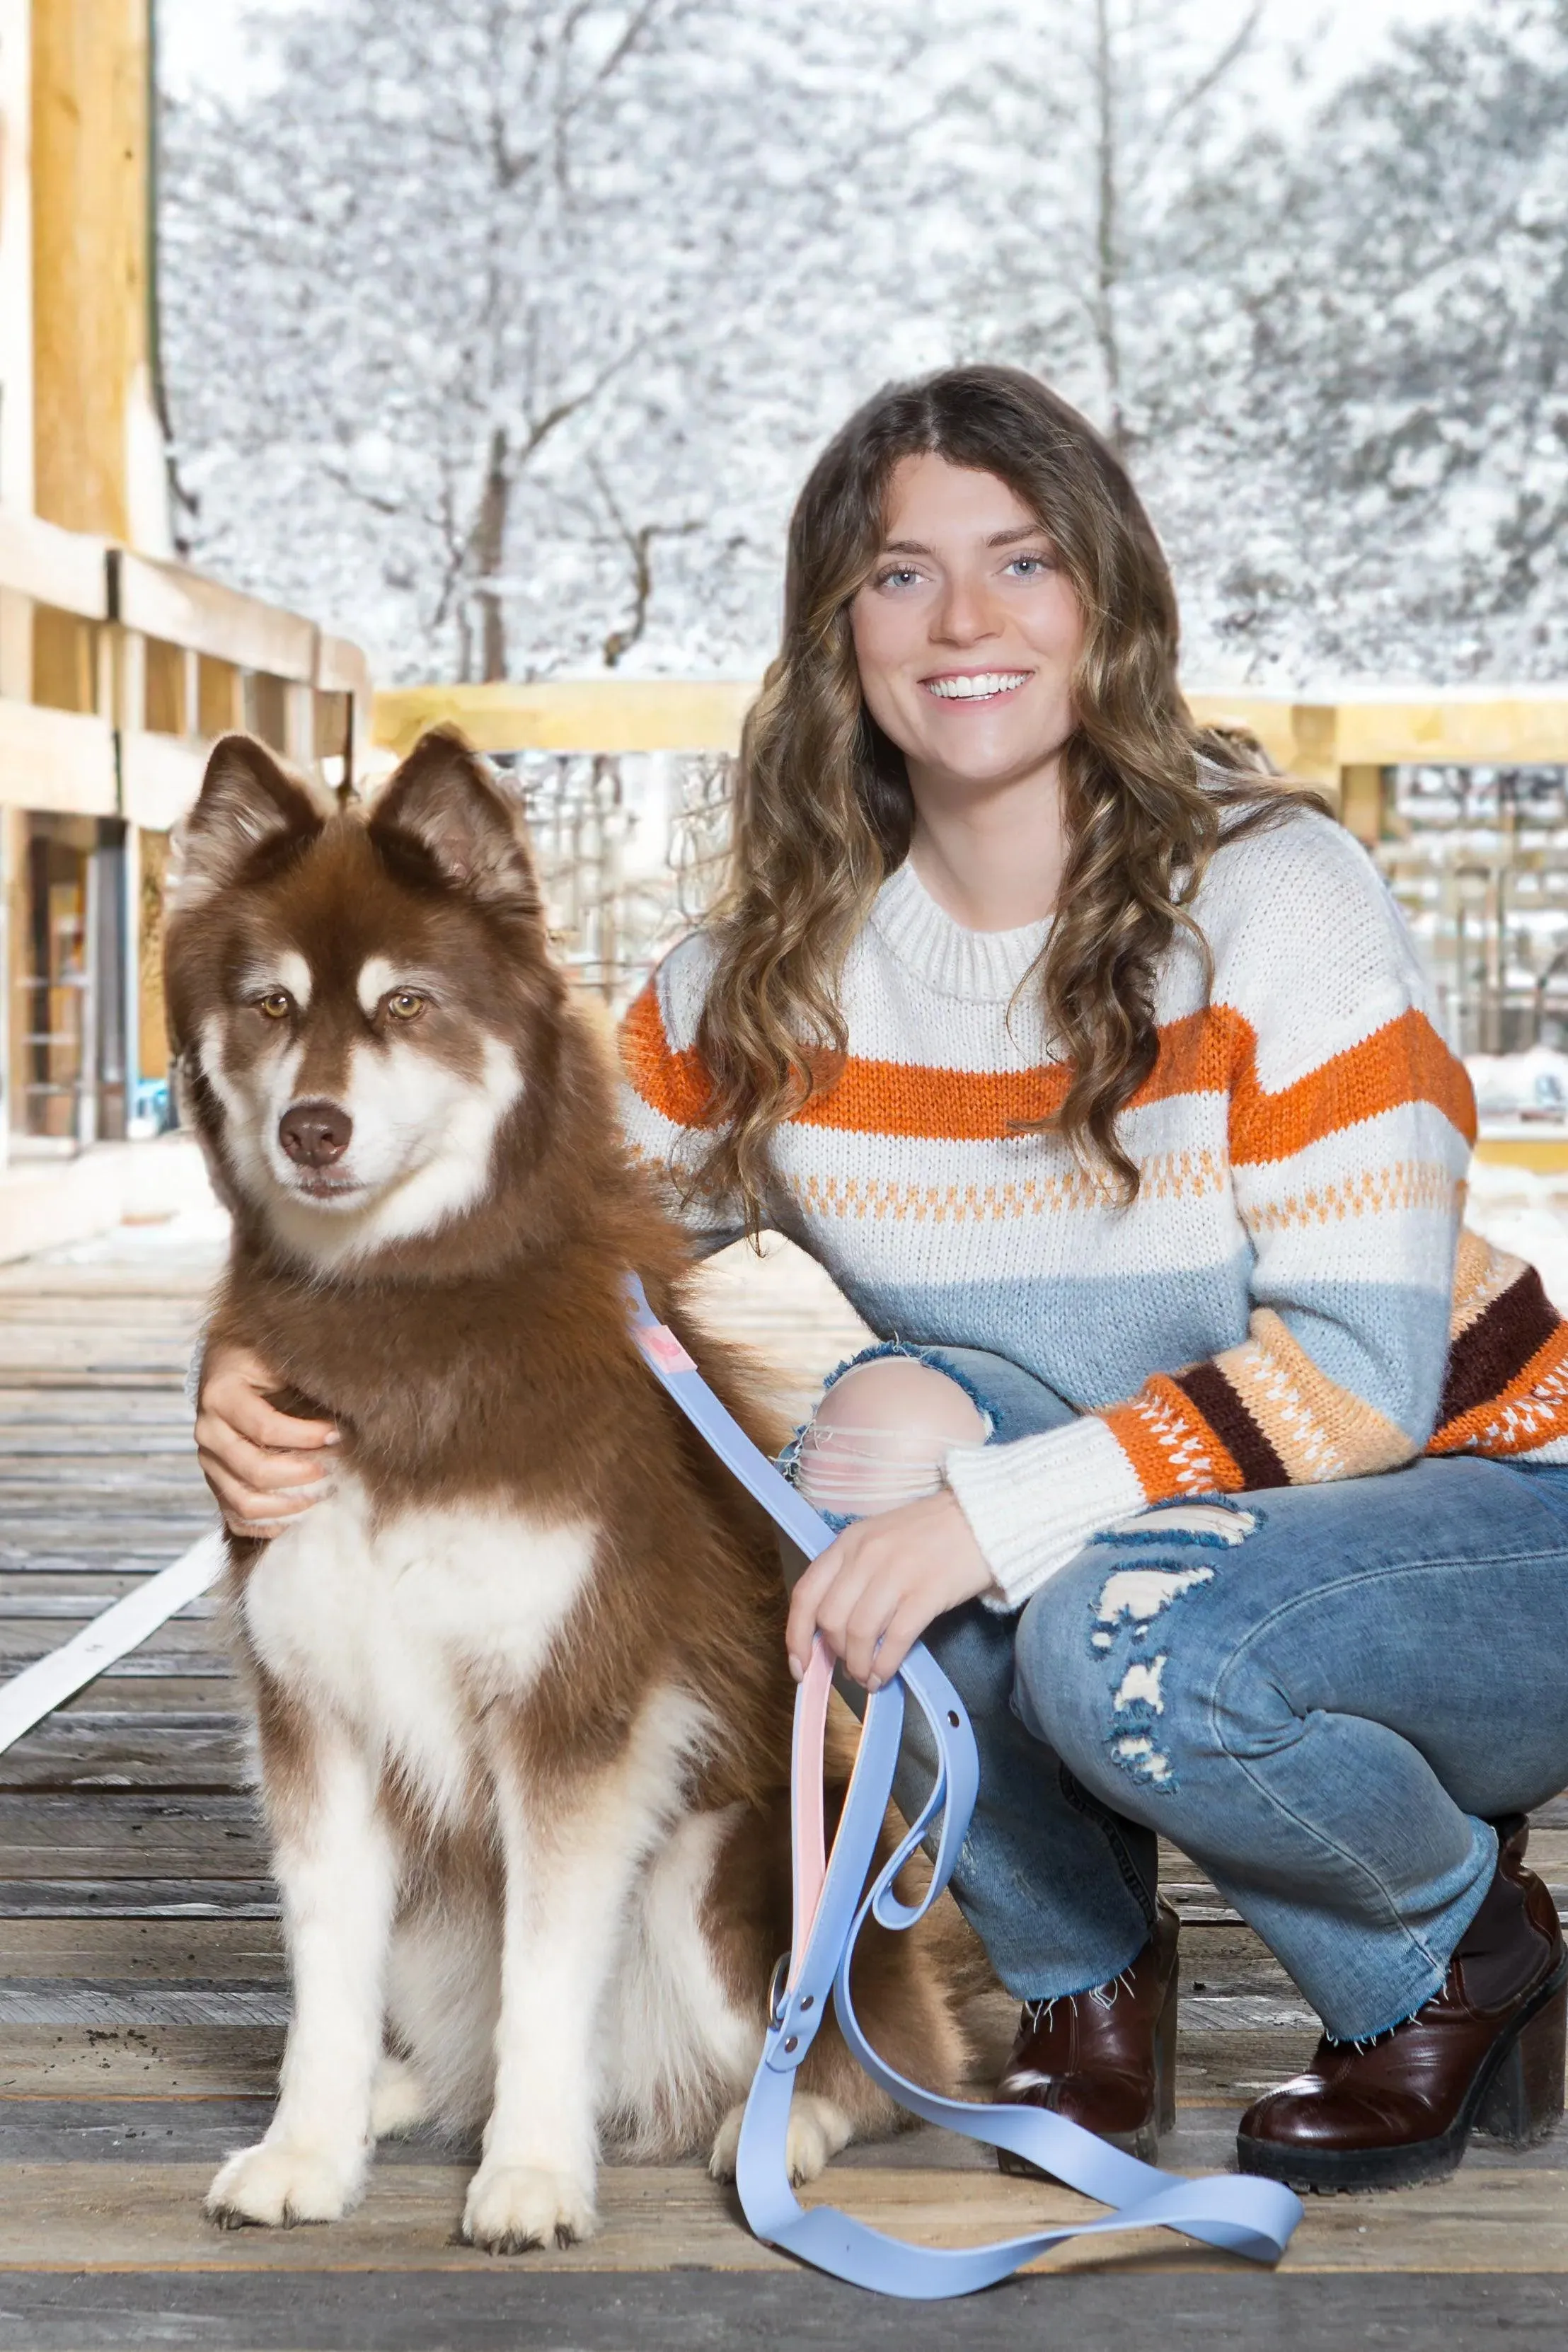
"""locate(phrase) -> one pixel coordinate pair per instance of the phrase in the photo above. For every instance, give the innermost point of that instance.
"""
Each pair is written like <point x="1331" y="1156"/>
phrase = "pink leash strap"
<point x="809" y="1832"/>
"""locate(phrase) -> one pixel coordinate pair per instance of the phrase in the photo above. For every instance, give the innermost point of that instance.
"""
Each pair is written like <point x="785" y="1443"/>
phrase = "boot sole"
<point x="1516" y="2096"/>
<point x="1144" y="2144"/>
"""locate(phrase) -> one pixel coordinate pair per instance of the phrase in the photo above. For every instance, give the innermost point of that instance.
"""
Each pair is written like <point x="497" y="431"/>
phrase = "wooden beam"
<point x="16" y="254"/>
<point x="160" y="776"/>
<point x="60" y="761"/>
<point x="573" y="715"/>
<point x="1500" y="726"/>
<point x="1310" y="739"/>
<point x="97" y="449"/>
<point x="66" y="569"/>
<point x="342" y="668"/>
<point x="167" y="601"/>
<point x="1460" y="726"/>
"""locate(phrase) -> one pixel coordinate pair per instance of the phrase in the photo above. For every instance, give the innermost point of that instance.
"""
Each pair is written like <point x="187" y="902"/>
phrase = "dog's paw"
<point x="726" y="2144"/>
<point x="817" y="2130"/>
<point x="398" y="2099"/>
<point x="513" y="2207"/>
<point x="279" y="2182"/>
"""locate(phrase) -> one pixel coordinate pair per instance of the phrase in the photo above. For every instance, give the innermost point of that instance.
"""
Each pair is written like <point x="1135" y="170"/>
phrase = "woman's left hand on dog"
<point x="872" y="1593"/>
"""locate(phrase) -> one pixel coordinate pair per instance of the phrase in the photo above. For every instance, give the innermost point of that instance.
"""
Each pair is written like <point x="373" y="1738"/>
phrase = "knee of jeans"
<point x="1056" y="1678"/>
<point x="881" y="1435"/>
<point x="1120" y="1657"/>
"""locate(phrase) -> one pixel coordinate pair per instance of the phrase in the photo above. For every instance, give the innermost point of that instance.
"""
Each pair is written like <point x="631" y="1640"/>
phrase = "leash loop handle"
<point x="835" y="1894"/>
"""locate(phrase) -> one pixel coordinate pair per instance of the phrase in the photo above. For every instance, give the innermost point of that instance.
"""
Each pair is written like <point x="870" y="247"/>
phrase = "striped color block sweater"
<point x="1292" y="1296"/>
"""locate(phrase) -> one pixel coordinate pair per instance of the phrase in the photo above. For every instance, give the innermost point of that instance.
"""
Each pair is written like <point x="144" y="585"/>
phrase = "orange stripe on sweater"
<point x="910" y="1099"/>
<point x="1403" y="1062"/>
<point x="1209" y="1052"/>
<point x="671" y="1081"/>
<point x="1169" y="1444"/>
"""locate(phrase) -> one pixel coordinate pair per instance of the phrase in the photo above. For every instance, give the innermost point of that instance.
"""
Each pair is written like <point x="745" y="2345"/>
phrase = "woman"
<point x="1217" y="1465"/>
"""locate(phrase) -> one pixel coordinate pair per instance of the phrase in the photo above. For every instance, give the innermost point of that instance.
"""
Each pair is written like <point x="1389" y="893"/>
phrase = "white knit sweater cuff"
<point x="1033" y="1504"/>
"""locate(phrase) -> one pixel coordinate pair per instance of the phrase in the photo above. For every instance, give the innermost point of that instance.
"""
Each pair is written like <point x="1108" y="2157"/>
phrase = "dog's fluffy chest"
<point x="406" y="1626"/>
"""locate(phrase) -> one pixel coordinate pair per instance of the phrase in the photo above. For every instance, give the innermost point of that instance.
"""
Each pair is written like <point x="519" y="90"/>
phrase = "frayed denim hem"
<point x="787" y="1461"/>
<point x="920" y="1352"/>
<point x="1042" y="1996"/>
<point x="1376" y="2034"/>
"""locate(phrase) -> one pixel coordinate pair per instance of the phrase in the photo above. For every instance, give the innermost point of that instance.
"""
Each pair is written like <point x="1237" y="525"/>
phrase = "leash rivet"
<point x="809" y="2002"/>
<point x="953" y="1717"/>
<point x="793" y="2042"/>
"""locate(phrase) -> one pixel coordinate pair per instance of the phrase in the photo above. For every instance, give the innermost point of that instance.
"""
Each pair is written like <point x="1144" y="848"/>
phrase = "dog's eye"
<point x="405" y="1003"/>
<point x="276" y="1004"/>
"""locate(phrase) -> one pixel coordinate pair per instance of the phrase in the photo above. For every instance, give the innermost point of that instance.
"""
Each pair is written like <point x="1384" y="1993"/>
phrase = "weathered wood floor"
<point x="142" y="1996"/>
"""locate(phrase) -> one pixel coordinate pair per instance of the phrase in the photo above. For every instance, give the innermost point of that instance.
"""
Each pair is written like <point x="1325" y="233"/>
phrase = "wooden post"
<point x="98" y="448"/>
<point x="1361" y="802"/>
<point x="16" y="257"/>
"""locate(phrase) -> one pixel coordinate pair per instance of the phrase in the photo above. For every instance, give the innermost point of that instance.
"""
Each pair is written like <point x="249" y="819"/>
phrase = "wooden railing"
<point x="117" y="671"/>
<point x="1341" y="746"/>
<point x="1482" y="873"/>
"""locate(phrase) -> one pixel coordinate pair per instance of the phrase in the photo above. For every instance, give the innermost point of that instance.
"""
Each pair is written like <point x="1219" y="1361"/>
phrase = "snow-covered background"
<point x="500" y="332"/>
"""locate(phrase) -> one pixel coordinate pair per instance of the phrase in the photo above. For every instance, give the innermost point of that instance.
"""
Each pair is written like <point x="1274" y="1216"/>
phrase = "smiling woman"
<point x="967" y="636"/>
<point x="978" y="674"/>
<point x="1100" y="1073"/>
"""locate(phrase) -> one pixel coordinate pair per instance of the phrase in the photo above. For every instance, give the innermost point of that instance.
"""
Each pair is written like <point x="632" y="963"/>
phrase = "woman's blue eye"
<point x="1029" y="566"/>
<point x="902" y="572"/>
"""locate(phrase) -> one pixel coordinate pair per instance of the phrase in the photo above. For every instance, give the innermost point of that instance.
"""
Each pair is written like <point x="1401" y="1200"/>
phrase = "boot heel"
<point x="1165" y="2058"/>
<point x="1523" y="2101"/>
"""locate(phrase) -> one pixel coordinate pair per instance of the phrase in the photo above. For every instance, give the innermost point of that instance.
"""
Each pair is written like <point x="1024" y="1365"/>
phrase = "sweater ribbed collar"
<point x="980" y="967"/>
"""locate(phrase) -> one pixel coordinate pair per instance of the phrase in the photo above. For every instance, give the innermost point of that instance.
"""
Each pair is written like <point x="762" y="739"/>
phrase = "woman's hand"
<point x="872" y="1593"/>
<point x="264" y="1466"/>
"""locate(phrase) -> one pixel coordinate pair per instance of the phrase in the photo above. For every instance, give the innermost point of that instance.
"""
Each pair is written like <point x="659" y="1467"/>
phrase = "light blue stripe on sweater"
<point x="1095" y="1342"/>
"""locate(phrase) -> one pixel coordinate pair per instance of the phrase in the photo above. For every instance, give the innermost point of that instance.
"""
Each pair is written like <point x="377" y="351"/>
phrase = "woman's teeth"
<point x="978" y="688"/>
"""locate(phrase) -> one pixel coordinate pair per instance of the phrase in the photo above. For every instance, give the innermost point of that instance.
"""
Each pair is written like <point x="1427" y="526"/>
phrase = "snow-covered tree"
<point x="1374" y="477"/>
<point x="489" y="316"/>
<point x="502" y="331"/>
<point x="1108" y="113"/>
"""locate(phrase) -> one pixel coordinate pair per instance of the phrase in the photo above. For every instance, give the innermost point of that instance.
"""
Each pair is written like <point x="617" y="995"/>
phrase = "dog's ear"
<point x="443" y="802"/>
<point x="248" y="805"/>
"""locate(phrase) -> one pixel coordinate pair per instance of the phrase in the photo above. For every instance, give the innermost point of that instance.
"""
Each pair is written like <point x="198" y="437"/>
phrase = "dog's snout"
<point x="314" y="1134"/>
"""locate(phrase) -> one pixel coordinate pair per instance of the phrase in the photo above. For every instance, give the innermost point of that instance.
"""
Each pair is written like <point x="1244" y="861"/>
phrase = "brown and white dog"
<point x="520" y="1691"/>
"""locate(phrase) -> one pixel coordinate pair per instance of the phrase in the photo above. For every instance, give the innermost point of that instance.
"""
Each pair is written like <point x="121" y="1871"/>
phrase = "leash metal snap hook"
<point x="775" y="1987"/>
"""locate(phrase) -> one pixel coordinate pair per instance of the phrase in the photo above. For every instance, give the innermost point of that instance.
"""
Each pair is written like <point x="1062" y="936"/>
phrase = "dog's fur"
<point x="520" y="1690"/>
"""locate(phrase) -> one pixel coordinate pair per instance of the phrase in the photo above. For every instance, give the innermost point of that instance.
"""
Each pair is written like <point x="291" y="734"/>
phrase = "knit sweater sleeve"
<point x="1349" y="1125"/>
<point x="664" y="1090"/>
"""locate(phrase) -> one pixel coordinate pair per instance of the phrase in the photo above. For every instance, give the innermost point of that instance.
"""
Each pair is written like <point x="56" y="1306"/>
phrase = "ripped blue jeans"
<point x="1324" y="1695"/>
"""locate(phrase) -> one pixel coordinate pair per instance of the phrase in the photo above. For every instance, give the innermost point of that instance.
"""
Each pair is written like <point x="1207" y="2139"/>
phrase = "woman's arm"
<point x="264" y="1466"/>
<point x="1350" y="1127"/>
<point x="664" y="1091"/>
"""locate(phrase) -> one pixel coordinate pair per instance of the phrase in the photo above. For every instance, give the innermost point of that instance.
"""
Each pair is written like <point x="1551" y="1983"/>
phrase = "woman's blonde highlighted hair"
<point x="823" y="812"/>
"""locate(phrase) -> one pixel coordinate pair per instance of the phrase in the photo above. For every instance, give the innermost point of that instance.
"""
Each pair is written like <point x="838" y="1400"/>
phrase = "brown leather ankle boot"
<point x="1105" y="2059"/>
<point x="1484" y="2054"/>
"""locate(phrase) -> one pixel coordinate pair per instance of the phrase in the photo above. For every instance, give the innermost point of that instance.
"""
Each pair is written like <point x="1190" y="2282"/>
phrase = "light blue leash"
<point x="1241" y="2215"/>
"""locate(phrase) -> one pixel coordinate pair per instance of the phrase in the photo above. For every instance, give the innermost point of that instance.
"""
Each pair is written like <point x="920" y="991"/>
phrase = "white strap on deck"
<point x="28" y="1696"/>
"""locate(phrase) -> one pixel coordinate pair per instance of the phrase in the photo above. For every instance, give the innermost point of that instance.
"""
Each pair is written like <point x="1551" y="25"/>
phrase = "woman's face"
<point x="966" y="633"/>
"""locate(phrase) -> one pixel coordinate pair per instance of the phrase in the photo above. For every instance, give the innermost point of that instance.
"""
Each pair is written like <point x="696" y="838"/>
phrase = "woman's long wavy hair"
<point x="823" y="810"/>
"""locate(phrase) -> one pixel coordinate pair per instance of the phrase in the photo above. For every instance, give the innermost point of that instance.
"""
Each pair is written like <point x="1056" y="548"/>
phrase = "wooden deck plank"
<point x="129" y="2216"/>
<point x="146" y="1952"/>
<point x="117" y="1748"/>
<point x="701" y="2310"/>
<point x="185" y="2062"/>
<point x="140" y="1961"/>
<point x="82" y="1897"/>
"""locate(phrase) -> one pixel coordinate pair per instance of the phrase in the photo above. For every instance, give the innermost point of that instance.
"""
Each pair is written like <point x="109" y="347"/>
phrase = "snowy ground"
<point x="1527" y="1214"/>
